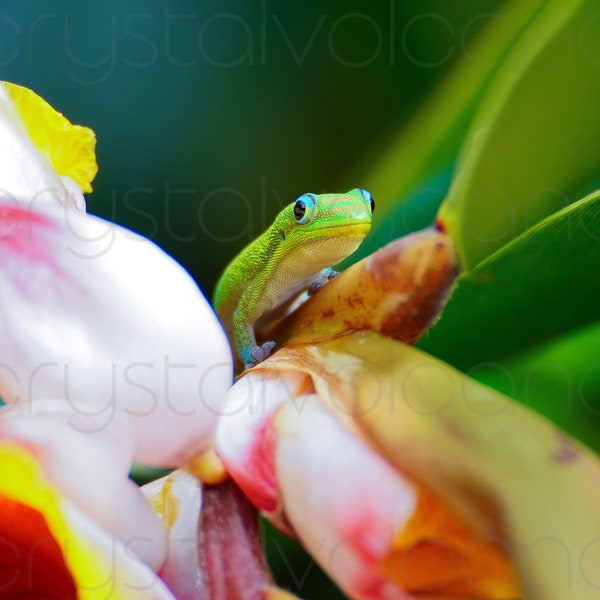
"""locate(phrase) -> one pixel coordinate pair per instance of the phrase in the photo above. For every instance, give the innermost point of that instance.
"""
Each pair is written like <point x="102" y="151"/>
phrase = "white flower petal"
<point x="124" y="576"/>
<point x="179" y="497"/>
<point x="74" y="193"/>
<point x="100" y="319"/>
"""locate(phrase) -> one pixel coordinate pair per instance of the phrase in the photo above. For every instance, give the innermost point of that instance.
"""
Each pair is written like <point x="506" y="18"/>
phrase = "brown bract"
<point x="397" y="291"/>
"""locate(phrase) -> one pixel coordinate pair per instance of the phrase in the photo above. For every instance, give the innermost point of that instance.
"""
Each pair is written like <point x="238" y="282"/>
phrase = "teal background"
<point x="211" y="116"/>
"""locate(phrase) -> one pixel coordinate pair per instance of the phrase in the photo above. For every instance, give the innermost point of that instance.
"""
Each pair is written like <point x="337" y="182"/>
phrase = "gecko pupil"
<point x="372" y="205"/>
<point x="299" y="209"/>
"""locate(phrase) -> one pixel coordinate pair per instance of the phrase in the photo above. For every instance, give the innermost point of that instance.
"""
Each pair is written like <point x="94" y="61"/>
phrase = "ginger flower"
<point x="109" y="354"/>
<point x="292" y="436"/>
<point x="390" y="466"/>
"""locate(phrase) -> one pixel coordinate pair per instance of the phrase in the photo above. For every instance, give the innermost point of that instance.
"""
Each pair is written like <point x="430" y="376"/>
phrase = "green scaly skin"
<point x="293" y="255"/>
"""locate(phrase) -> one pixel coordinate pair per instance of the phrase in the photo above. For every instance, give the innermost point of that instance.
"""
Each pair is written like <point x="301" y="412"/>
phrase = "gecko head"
<point x="326" y="227"/>
<point x="313" y="212"/>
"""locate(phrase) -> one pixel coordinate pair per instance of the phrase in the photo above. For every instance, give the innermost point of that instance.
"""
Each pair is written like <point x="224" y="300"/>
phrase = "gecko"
<point x="295" y="254"/>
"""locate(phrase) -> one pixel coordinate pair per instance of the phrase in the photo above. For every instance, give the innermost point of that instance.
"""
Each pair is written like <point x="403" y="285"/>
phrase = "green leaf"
<point x="433" y="138"/>
<point x="416" y="212"/>
<point x="560" y="380"/>
<point x="542" y="285"/>
<point x="535" y="137"/>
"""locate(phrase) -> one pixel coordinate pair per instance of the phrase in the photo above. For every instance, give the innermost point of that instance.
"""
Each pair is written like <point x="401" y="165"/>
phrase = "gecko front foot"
<point x="319" y="283"/>
<point x="260" y="353"/>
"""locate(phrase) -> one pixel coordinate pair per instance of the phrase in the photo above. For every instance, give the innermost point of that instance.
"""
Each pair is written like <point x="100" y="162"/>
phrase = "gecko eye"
<point x="368" y="198"/>
<point x="304" y="208"/>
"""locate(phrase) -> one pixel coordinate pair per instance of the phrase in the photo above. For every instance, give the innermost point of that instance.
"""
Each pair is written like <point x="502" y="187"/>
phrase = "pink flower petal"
<point x="345" y="502"/>
<point x="245" y="438"/>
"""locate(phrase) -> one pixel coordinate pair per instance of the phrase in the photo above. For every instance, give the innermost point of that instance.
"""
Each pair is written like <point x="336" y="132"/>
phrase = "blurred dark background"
<point x="211" y="116"/>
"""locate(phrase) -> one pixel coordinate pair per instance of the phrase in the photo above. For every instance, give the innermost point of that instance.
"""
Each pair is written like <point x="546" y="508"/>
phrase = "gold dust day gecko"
<point x="293" y="255"/>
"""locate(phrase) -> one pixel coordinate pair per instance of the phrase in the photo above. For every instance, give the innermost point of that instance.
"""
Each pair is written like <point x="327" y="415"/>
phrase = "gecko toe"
<point x="267" y="348"/>
<point x="260" y="353"/>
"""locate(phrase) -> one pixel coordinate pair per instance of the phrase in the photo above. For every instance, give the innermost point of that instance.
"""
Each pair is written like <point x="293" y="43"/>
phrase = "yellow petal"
<point x="32" y="500"/>
<point x="43" y="550"/>
<point x="208" y="468"/>
<point x="70" y="148"/>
